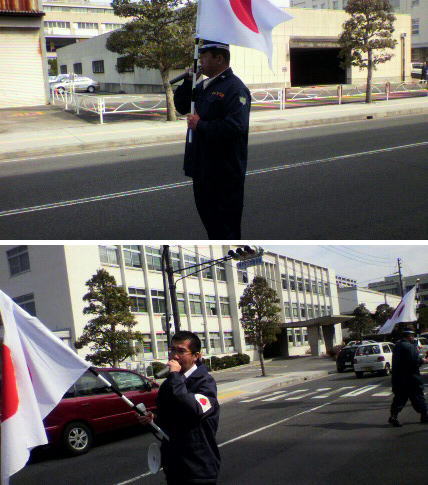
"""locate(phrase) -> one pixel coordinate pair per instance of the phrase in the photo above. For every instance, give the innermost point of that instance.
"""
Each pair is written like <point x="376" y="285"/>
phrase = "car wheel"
<point x="91" y="89"/>
<point x="77" y="438"/>
<point x="386" y="371"/>
<point x="359" y="374"/>
<point x="61" y="90"/>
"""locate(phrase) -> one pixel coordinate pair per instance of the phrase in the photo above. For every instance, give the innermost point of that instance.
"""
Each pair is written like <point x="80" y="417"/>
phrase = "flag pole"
<point x="195" y="67"/>
<point x="138" y="408"/>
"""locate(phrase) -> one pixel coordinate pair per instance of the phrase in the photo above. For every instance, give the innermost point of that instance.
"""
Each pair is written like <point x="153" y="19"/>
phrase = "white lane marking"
<point x="280" y="396"/>
<point x="145" y="190"/>
<point x="335" y="391"/>
<point x="360" y="390"/>
<point x="382" y="394"/>
<point x="276" y="423"/>
<point x="137" y="478"/>
<point x="295" y="398"/>
<point x="261" y="397"/>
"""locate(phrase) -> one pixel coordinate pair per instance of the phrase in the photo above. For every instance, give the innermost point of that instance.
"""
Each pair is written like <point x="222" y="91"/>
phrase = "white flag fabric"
<point x="38" y="368"/>
<point x="405" y="312"/>
<point x="247" y="23"/>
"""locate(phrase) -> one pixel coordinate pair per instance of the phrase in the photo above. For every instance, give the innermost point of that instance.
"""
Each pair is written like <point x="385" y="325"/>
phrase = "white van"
<point x="373" y="358"/>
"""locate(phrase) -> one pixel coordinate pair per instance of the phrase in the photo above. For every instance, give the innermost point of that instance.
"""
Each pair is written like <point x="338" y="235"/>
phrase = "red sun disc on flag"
<point x="203" y="401"/>
<point x="244" y="12"/>
<point x="10" y="390"/>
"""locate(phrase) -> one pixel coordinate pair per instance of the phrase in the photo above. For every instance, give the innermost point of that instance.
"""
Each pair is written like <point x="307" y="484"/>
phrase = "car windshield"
<point x="368" y="350"/>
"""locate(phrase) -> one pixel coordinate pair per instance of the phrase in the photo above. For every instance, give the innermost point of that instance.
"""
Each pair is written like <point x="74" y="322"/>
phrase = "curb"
<point x="257" y="126"/>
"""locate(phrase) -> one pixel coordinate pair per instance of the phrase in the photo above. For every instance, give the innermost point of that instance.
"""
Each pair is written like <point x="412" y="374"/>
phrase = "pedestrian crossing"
<point x="321" y="393"/>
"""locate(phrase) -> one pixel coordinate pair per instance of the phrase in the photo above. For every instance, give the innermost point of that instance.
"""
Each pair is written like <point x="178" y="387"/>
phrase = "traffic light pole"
<point x="165" y="290"/>
<point x="172" y="289"/>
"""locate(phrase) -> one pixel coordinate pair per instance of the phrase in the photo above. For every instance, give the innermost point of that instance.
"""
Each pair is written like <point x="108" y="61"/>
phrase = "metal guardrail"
<point x="103" y="105"/>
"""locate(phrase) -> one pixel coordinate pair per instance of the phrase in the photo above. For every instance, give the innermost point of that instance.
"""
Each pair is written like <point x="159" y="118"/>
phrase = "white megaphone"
<point x="154" y="458"/>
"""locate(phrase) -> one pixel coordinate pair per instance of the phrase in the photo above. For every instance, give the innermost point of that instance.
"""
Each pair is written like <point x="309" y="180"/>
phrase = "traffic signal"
<point x="247" y="252"/>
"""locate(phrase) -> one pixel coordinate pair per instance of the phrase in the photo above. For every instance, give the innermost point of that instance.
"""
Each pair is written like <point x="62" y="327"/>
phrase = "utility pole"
<point x="417" y="307"/>
<point x="172" y="290"/>
<point x="400" y="277"/>
<point x="167" y="328"/>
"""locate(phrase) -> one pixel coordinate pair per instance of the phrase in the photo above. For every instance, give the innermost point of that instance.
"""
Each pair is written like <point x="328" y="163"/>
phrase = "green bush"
<point x="228" y="361"/>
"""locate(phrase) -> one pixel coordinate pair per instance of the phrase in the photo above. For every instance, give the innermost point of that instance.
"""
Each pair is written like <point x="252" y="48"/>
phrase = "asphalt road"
<point x="332" y="430"/>
<point x="360" y="180"/>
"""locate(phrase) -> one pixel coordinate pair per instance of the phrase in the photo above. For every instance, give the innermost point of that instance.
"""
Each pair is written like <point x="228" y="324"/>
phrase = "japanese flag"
<point x="405" y="312"/>
<point x="247" y="23"/>
<point x="38" y="368"/>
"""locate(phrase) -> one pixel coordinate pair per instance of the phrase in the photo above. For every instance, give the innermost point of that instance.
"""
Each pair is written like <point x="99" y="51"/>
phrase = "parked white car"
<point x="417" y="70"/>
<point x="79" y="84"/>
<point x="373" y="358"/>
<point x="59" y="78"/>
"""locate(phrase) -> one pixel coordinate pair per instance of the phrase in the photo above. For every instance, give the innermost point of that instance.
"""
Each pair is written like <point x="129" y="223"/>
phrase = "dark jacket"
<point x="405" y="364"/>
<point x="192" y="453"/>
<point x="220" y="141"/>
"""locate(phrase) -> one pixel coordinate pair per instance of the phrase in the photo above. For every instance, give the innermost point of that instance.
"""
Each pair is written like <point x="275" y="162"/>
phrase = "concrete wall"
<point x="350" y="298"/>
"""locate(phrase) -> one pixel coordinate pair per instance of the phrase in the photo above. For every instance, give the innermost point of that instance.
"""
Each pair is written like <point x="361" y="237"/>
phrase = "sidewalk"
<point x="51" y="130"/>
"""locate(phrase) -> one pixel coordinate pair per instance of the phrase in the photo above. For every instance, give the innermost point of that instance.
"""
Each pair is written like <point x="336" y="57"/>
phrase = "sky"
<point x="364" y="263"/>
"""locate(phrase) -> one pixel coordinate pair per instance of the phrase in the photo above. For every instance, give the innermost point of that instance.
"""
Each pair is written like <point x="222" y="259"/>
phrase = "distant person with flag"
<point x="406" y="379"/>
<point x="218" y="119"/>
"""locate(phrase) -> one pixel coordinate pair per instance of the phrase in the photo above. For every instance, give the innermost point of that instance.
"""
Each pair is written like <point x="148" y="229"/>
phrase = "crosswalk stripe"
<point x="295" y="398"/>
<point x="335" y="391"/>
<point x="261" y="397"/>
<point x="382" y="394"/>
<point x="359" y="391"/>
<point x="280" y="396"/>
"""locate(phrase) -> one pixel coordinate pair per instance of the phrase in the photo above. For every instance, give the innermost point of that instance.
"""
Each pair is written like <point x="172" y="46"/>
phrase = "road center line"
<point x="157" y="188"/>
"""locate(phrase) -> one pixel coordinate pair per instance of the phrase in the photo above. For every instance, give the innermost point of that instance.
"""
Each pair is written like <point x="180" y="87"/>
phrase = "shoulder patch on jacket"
<point x="204" y="402"/>
<point x="243" y="100"/>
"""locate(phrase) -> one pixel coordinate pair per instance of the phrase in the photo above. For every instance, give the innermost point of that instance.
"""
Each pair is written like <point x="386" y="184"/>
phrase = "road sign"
<point x="249" y="262"/>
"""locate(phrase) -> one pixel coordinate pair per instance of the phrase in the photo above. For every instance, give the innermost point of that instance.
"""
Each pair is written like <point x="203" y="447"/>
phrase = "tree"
<point x="366" y="36"/>
<point x="260" y="315"/>
<point x="383" y="313"/>
<point x="111" y="305"/>
<point x="159" y="36"/>
<point x="423" y="318"/>
<point x="362" y="324"/>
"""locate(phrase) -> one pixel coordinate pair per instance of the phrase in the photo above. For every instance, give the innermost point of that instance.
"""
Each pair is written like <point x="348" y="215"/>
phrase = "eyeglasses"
<point x="175" y="350"/>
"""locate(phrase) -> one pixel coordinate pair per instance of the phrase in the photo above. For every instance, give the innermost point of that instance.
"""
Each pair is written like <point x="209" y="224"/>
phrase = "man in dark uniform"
<point x="216" y="158"/>
<point x="406" y="379"/>
<point x="188" y="412"/>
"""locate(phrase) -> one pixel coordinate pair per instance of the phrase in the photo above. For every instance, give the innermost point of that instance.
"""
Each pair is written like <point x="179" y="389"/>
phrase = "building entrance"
<point x="314" y="66"/>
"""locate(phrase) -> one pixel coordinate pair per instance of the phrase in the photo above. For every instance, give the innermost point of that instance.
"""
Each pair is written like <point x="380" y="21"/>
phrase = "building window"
<point x="329" y="310"/>
<point x="109" y="254"/>
<point x="154" y="260"/>
<point x="158" y="301"/>
<point x="314" y="287"/>
<point x="310" y="311"/>
<point x="215" y="342"/>
<point x="290" y="335"/>
<point x="175" y="260"/>
<point x="303" y="313"/>
<point x="181" y="302"/>
<point x="77" y="68"/>
<point x="292" y="280"/>
<point x="87" y="25"/>
<point x="284" y="281"/>
<point x="63" y="68"/>
<point x="138" y="300"/>
<point x="415" y="26"/>
<point x="195" y="304"/>
<point x="249" y="345"/>
<point x="295" y="310"/>
<point x="326" y="289"/>
<point x="97" y="67"/>
<point x="55" y="24"/>
<point x="210" y="305"/>
<point x="300" y="284"/>
<point x="203" y="340"/>
<point x="316" y="310"/>
<point x="18" y="259"/>
<point x="27" y="303"/>
<point x="110" y="27"/>
<point x="221" y="272"/>
<point x="307" y="285"/>
<point x="242" y="276"/>
<point x="415" y="3"/>
<point x="208" y="272"/>
<point x="225" y="305"/>
<point x="132" y="256"/>
<point x="270" y="273"/>
<point x="228" y="341"/>
<point x="162" y="344"/>
<point x="423" y="286"/>
<point x="287" y="310"/>
<point x="190" y="261"/>
<point x="320" y="288"/>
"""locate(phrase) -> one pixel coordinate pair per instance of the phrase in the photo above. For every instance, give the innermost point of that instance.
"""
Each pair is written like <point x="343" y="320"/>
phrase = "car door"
<point x="136" y="388"/>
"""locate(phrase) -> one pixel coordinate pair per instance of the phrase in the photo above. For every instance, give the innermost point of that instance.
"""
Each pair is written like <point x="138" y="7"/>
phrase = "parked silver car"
<point x="79" y="84"/>
<point x="417" y="70"/>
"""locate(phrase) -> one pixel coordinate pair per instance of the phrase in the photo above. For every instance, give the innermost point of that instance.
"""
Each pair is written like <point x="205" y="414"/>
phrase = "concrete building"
<point x="350" y="298"/>
<point x="418" y="9"/>
<point x="305" y="53"/>
<point x="69" y="21"/>
<point x="391" y="285"/>
<point x="344" y="282"/>
<point x="23" y="79"/>
<point x="49" y="281"/>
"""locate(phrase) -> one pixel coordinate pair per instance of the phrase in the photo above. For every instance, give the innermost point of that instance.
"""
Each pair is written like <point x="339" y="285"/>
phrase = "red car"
<point x="89" y="408"/>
